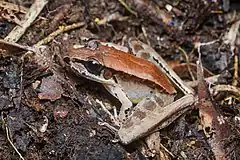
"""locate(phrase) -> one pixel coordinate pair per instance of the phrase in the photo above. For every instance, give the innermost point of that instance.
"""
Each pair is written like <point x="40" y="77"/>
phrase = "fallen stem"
<point x="235" y="74"/>
<point x="226" y="88"/>
<point x="128" y="8"/>
<point x="8" y="138"/>
<point x="58" y="32"/>
<point x="32" y="14"/>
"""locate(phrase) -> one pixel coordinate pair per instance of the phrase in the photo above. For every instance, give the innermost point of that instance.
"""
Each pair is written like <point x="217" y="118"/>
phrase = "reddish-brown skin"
<point x="124" y="62"/>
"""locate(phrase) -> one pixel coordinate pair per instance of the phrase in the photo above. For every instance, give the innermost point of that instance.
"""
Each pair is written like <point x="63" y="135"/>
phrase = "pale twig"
<point x="210" y="80"/>
<point x="198" y="45"/>
<point x="116" y="16"/>
<point x="32" y="14"/>
<point x="128" y="8"/>
<point x="62" y="29"/>
<point x="107" y="125"/>
<point x="231" y="35"/>
<point x="166" y="150"/>
<point x="145" y="35"/>
<point x="111" y="128"/>
<point x="21" y="80"/>
<point x="9" y="139"/>
<point x="235" y="74"/>
<point x="226" y="88"/>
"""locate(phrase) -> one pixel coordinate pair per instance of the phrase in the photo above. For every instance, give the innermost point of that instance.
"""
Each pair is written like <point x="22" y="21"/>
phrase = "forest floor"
<point x="47" y="117"/>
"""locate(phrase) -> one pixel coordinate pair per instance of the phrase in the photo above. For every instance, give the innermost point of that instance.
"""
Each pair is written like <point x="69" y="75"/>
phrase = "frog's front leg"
<point x="126" y="107"/>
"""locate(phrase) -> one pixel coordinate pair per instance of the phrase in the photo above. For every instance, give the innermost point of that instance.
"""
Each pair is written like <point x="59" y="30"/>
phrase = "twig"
<point x="198" y="45"/>
<point x="128" y="8"/>
<point x="116" y="16"/>
<point x="59" y="31"/>
<point x="9" y="139"/>
<point x="115" y="121"/>
<point x="231" y="39"/>
<point x="210" y="80"/>
<point x="145" y="35"/>
<point x="235" y="74"/>
<point x="187" y="61"/>
<point x="32" y="14"/>
<point x="231" y="35"/>
<point x="166" y="150"/>
<point x="14" y="48"/>
<point x="226" y="88"/>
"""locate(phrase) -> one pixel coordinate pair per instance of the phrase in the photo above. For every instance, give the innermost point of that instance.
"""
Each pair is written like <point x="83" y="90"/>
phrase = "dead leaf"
<point x="182" y="69"/>
<point x="50" y="89"/>
<point x="13" y="48"/>
<point x="60" y="112"/>
<point x="214" y="125"/>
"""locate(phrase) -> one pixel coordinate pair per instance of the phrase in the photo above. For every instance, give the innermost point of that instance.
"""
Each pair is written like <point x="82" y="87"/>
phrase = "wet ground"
<point x="64" y="124"/>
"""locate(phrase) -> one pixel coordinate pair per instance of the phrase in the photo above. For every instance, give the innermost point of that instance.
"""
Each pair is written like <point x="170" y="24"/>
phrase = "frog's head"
<point x="86" y="64"/>
<point x="95" y="61"/>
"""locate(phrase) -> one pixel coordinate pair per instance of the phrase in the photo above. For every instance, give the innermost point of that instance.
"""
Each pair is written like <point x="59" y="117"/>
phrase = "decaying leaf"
<point x="12" y="48"/>
<point x="182" y="69"/>
<point x="50" y="89"/>
<point x="214" y="125"/>
<point x="13" y="7"/>
<point x="60" y="112"/>
<point x="10" y="16"/>
<point x="8" y="11"/>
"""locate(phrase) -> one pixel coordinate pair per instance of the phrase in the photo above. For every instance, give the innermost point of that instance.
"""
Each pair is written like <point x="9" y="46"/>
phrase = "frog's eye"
<point x="107" y="74"/>
<point x="93" y="67"/>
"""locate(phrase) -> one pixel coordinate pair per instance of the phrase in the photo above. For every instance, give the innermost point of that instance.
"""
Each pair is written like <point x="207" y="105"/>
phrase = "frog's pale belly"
<point x="136" y="90"/>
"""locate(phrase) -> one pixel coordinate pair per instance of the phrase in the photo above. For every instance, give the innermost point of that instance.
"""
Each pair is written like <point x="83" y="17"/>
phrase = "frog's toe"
<point x="108" y="126"/>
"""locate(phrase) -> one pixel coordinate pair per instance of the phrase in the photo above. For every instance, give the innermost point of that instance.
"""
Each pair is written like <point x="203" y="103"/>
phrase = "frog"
<point x="140" y="86"/>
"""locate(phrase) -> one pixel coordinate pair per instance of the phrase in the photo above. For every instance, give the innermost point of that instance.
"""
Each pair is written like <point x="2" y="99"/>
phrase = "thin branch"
<point x="59" y="31"/>
<point x="32" y="14"/>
